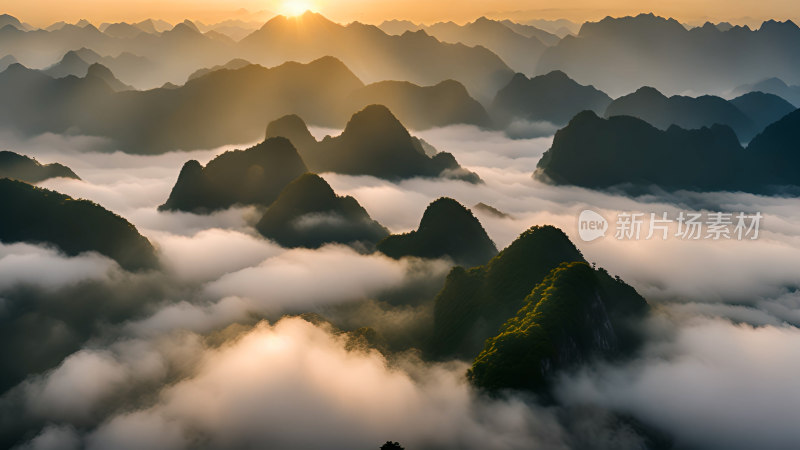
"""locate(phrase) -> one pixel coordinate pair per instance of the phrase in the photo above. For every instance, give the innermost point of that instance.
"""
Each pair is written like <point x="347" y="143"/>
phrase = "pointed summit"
<point x="475" y="302"/>
<point x="447" y="229"/>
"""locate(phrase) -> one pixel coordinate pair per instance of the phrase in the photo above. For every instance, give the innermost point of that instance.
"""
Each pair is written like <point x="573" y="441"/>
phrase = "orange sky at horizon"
<point x="41" y="13"/>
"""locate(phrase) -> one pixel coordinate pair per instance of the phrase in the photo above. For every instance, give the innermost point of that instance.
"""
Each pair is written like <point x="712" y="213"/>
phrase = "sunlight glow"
<point x="293" y="8"/>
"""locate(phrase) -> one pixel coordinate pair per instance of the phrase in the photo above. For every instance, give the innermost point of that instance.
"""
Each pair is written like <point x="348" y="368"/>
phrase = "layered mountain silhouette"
<point x="376" y="56"/>
<point x="422" y="107"/>
<point x="233" y="64"/>
<point x="241" y="177"/>
<point x="519" y="51"/>
<point x="40" y="216"/>
<point x="373" y="143"/>
<point x="78" y="63"/>
<point x="686" y="112"/>
<point x="575" y="315"/>
<point x="6" y="61"/>
<point x="308" y="213"/>
<point x="553" y="97"/>
<point x="774" y="86"/>
<point x="23" y="168"/>
<point x="763" y="109"/>
<point x="447" y="229"/>
<point x="475" y="302"/>
<point x="222" y="107"/>
<point x="547" y="38"/>
<point x="619" y="54"/>
<point x="626" y="151"/>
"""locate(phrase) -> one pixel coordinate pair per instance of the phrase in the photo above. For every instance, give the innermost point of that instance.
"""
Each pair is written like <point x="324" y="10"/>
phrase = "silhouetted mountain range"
<point x="447" y="229"/>
<point x="308" y="213"/>
<point x="221" y="107"/>
<point x="6" y="61"/>
<point x="553" y="97"/>
<point x="622" y="150"/>
<point x="373" y="143"/>
<point x="619" y="54"/>
<point x="763" y="109"/>
<point x="686" y="112"/>
<point x="574" y="316"/>
<point x="547" y="38"/>
<point x="474" y="303"/>
<point x="446" y="103"/>
<point x="376" y="56"/>
<point x="36" y="215"/>
<point x="519" y="51"/>
<point x="77" y="63"/>
<point x="23" y="168"/>
<point x="241" y="177"/>
<point x="774" y="86"/>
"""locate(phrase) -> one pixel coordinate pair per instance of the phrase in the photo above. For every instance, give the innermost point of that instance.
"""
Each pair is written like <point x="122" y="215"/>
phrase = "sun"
<point x="294" y="8"/>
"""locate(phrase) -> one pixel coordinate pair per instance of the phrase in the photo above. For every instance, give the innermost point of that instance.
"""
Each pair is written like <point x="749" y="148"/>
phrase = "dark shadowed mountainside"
<point x="575" y="315"/>
<point x="241" y="177"/>
<point x="625" y="151"/>
<point x="553" y="97"/>
<point x="763" y="109"/>
<point x="40" y="216"/>
<point x="23" y="168"/>
<point x="475" y="302"/>
<point x="308" y="213"/>
<point x="447" y="229"/>
<point x="774" y="86"/>
<point x="661" y="111"/>
<point x="422" y="107"/>
<point x="373" y="143"/>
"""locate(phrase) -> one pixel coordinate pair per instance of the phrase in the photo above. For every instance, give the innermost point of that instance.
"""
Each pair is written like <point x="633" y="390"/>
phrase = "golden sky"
<point x="44" y="12"/>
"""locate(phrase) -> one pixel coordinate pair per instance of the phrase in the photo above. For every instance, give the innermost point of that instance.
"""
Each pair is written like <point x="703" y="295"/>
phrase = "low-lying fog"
<point x="194" y="365"/>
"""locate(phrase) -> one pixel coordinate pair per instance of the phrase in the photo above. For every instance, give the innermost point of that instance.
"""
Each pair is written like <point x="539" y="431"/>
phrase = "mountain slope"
<point x="36" y="215"/>
<point x="686" y="112"/>
<point x="373" y="143"/>
<point x="241" y="177"/>
<point x="375" y="56"/>
<point x="575" y="315"/>
<point x="553" y="97"/>
<point x="618" y="55"/>
<point x="308" y="213"/>
<point x="475" y="302"/>
<point x="627" y="152"/>
<point x="447" y="229"/>
<point x="520" y="52"/>
<point x="422" y="107"/>
<point x="23" y="168"/>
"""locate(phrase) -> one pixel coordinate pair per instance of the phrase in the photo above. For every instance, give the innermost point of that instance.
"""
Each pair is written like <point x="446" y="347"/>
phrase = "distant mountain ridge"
<point x="221" y="107"/>
<point x="553" y="97"/>
<point x="620" y="54"/>
<point x="23" y="168"/>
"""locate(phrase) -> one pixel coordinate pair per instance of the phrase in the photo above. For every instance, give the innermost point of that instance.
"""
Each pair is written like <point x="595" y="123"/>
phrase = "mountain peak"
<point x="447" y="229"/>
<point x="375" y="119"/>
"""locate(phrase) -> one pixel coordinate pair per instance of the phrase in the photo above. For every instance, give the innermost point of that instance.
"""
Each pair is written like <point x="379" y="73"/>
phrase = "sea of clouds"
<point x="200" y="354"/>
